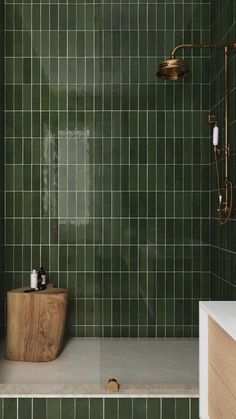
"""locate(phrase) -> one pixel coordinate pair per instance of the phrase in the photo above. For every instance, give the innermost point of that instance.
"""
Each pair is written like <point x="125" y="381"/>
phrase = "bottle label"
<point x="43" y="277"/>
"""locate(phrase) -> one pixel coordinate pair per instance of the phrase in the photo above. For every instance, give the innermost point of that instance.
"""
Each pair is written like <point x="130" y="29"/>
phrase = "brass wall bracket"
<point x="212" y="119"/>
<point x="226" y="150"/>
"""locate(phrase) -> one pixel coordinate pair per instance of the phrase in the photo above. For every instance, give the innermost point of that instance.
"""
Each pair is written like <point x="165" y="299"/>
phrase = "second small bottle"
<point x="41" y="279"/>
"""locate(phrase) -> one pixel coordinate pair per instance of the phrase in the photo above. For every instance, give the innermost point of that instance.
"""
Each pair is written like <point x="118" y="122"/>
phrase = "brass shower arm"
<point x="210" y="46"/>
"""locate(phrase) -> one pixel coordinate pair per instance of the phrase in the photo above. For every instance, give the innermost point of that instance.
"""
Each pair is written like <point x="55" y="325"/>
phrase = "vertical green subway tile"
<point x="194" y="408"/>
<point x="39" y="408"/>
<point x="24" y="408"/>
<point x="182" y="408"/>
<point x="67" y="408"/>
<point x="82" y="408"/>
<point x="53" y="408"/>
<point x="139" y="408"/>
<point x="153" y="408"/>
<point x="125" y="408"/>
<point x="111" y="408"/>
<point x="96" y="408"/>
<point x="61" y="117"/>
<point x="168" y="408"/>
<point x="10" y="408"/>
<point x="225" y="288"/>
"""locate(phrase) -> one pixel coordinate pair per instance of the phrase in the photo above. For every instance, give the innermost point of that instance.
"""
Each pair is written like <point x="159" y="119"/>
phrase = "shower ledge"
<point x="144" y="368"/>
<point x="83" y="391"/>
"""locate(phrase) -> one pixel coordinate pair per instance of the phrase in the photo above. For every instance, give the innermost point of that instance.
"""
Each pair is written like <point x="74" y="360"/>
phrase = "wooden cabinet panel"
<point x="222" y="355"/>
<point x="221" y="403"/>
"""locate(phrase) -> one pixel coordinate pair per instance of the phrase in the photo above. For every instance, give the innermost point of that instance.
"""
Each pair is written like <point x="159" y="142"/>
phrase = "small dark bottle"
<point x="42" y="278"/>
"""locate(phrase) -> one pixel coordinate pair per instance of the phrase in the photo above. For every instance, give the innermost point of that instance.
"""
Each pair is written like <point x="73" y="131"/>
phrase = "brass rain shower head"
<point x="173" y="69"/>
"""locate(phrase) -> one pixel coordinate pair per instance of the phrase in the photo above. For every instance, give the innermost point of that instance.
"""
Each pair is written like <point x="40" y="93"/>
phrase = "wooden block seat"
<point x="35" y="324"/>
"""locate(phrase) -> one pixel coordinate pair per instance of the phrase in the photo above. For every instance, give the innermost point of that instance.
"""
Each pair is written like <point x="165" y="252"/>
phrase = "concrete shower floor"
<point x="142" y="366"/>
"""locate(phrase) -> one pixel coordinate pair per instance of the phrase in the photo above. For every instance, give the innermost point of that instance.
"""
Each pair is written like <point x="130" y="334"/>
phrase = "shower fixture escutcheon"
<point x="177" y="68"/>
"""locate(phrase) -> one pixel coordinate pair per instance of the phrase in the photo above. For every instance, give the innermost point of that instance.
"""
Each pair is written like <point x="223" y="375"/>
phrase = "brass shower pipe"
<point x="226" y="206"/>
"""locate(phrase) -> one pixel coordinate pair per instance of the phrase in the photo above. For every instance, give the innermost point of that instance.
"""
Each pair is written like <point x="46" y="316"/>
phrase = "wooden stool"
<point x="35" y="324"/>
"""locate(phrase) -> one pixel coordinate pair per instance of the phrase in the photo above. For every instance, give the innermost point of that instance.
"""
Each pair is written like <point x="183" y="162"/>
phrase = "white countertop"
<point x="224" y="313"/>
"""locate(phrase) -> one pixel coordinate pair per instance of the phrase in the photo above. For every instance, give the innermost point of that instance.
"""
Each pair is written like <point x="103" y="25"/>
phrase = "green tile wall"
<point x="110" y="408"/>
<point x="106" y="168"/>
<point x="223" y="239"/>
<point x="1" y="165"/>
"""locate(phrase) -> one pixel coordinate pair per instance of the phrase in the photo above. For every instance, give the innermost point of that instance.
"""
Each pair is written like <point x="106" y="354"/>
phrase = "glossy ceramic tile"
<point x="141" y="366"/>
<point x="223" y="250"/>
<point x="1" y="163"/>
<point x="100" y="408"/>
<point x="106" y="167"/>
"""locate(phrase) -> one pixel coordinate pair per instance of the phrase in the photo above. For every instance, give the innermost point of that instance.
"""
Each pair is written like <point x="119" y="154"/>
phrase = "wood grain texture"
<point x="222" y="354"/>
<point x="35" y="324"/>
<point x="221" y="403"/>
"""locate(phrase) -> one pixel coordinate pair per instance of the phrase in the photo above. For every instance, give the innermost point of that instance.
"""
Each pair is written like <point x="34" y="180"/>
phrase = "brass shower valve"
<point x="224" y="207"/>
<point x="223" y="150"/>
<point x="217" y="149"/>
